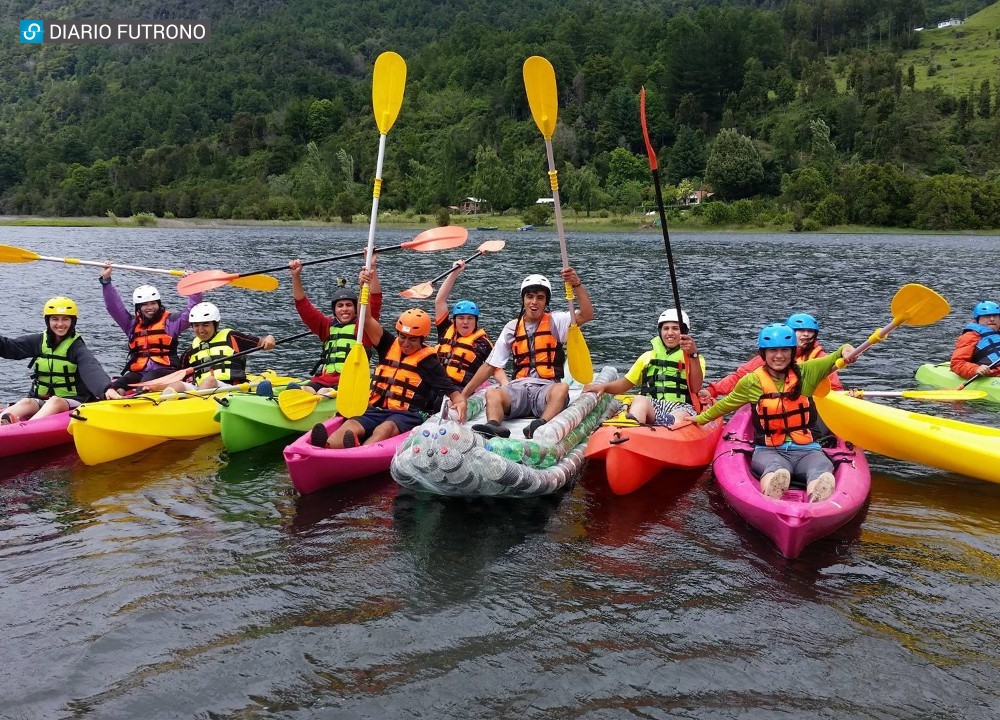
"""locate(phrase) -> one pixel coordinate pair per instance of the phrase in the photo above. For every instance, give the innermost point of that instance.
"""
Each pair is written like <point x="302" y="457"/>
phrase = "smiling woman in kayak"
<point x="64" y="371"/>
<point x="783" y="414"/>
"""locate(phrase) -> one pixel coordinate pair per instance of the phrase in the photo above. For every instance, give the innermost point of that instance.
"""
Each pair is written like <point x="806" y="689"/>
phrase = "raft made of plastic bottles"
<point x="446" y="457"/>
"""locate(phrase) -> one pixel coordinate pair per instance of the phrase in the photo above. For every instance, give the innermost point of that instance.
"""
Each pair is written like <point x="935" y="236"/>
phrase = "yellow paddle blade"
<point x="543" y="98"/>
<point x="296" y="404"/>
<point x="11" y="254"/>
<point x="355" y="383"/>
<point x="387" y="89"/>
<point x="915" y="304"/>
<point x="578" y="356"/>
<point x="264" y="283"/>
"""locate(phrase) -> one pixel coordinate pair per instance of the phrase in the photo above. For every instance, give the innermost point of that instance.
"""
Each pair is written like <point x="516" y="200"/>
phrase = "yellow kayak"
<point x="113" y="429"/>
<point x="951" y="445"/>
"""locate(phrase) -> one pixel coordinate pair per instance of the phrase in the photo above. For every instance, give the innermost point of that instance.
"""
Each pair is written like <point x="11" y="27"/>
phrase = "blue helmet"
<point x="776" y="335"/>
<point x="465" y="307"/>
<point x="802" y="321"/>
<point x="986" y="307"/>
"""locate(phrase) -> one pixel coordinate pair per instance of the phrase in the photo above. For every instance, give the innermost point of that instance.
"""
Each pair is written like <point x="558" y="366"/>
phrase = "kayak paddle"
<point x="543" y="98"/>
<point x="296" y="403"/>
<point x="939" y="395"/>
<point x="439" y="238"/>
<point x="11" y="254"/>
<point x="424" y="289"/>
<point x="388" y="83"/>
<point x="973" y="379"/>
<point x="179" y="375"/>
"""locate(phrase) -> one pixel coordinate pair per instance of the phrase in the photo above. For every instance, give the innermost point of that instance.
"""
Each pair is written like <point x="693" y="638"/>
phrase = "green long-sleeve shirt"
<point x="748" y="389"/>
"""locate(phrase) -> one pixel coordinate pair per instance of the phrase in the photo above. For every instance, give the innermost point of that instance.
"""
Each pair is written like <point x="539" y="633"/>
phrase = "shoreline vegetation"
<point x="634" y="223"/>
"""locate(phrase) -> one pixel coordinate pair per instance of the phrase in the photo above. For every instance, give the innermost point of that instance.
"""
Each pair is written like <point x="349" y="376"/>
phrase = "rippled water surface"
<point x="186" y="583"/>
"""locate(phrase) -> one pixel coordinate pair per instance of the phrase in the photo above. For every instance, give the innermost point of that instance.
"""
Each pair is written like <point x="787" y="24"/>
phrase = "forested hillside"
<point x="796" y="113"/>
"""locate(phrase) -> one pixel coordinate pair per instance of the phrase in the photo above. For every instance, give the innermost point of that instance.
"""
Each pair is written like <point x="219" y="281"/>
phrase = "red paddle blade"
<point x="204" y="281"/>
<point x="645" y="130"/>
<point x="492" y="246"/>
<point x="419" y="292"/>
<point x="161" y="382"/>
<point x="439" y="238"/>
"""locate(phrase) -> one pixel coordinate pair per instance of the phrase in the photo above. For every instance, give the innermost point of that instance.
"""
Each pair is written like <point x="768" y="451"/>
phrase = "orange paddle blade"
<point x="418" y="292"/>
<point x="161" y="382"/>
<point x="439" y="238"/>
<point x="204" y="281"/>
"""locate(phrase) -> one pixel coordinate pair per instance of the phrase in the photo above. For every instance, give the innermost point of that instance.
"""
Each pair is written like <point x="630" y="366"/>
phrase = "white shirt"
<point x="559" y="324"/>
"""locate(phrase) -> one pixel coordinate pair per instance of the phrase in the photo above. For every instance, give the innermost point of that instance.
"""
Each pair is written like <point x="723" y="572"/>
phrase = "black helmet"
<point x="344" y="293"/>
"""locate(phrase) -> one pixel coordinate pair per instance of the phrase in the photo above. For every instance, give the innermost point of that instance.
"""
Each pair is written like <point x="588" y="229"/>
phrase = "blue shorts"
<point x="403" y="419"/>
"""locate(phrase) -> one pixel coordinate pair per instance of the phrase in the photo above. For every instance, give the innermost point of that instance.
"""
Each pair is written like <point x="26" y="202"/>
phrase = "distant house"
<point x="545" y="201"/>
<point x="472" y="206"/>
<point x="953" y="22"/>
<point x="697" y="197"/>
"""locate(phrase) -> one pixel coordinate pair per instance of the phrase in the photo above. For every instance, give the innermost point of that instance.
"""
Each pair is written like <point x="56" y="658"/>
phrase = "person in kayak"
<point x="806" y="329"/>
<point x="151" y="329"/>
<point x="978" y="347"/>
<point x="64" y="371"/>
<point x="669" y="376"/>
<point x="209" y="344"/>
<point x="535" y="339"/>
<point x="784" y="415"/>
<point x="408" y="383"/>
<point x="337" y="333"/>
<point x="463" y="346"/>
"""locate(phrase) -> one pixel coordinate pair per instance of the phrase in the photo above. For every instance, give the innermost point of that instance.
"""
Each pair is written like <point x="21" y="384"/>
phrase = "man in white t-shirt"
<point x="535" y="340"/>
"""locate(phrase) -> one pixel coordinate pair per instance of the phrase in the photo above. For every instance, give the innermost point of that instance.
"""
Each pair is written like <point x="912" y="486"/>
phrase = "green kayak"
<point x="248" y="421"/>
<point x="940" y="376"/>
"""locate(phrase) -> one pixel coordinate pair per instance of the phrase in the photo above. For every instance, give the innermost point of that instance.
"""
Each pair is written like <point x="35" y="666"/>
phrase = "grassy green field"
<point x="967" y="54"/>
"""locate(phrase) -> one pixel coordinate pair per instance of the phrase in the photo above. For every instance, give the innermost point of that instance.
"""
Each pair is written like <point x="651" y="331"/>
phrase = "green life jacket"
<point x="664" y="377"/>
<point x="218" y="347"/>
<point x="52" y="371"/>
<point x="336" y="348"/>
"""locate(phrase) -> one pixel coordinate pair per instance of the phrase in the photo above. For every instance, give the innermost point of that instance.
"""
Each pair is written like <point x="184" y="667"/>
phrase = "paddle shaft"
<point x="448" y="272"/>
<point x="95" y="263"/>
<point x="876" y="337"/>
<point x="241" y="353"/>
<point x="992" y="365"/>
<point x="560" y="230"/>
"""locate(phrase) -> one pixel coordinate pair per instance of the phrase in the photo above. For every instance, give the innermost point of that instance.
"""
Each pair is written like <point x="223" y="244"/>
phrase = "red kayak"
<point x="791" y="521"/>
<point x="30" y="435"/>
<point x="634" y="455"/>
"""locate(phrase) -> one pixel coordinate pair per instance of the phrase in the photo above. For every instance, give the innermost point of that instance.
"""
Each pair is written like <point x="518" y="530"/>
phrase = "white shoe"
<point x="774" y="484"/>
<point x="821" y="488"/>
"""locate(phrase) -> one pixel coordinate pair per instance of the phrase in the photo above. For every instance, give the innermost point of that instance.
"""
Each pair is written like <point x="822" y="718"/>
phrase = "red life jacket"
<point x="778" y="417"/>
<point x="458" y="354"/>
<point x="152" y="342"/>
<point x="541" y="351"/>
<point x="397" y="382"/>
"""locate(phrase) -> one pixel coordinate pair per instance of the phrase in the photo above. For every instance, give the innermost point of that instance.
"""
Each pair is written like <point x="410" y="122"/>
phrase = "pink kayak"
<point x="313" y="468"/>
<point x="30" y="435"/>
<point x="792" y="522"/>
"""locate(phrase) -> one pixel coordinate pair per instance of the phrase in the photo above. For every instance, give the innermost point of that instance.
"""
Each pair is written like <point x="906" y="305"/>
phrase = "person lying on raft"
<point x="463" y="346"/>
<point x="784" y="416"/>
<point x="211" y="343"/>
<point x="408" y="383"/>
<point x="151" y="329"/>
<point x="806" y="329"/>
<point x="64" y="371"/>
<point x="978" y="346"/>
<point x="536" y="340"/>
<point x="337" y="333"/>
<point x="668" y="376"/>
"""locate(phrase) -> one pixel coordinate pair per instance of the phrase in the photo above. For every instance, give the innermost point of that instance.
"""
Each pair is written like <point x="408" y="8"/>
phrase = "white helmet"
<point x="536" y="281"/>
<point x="671" y="316"/>
<point x="204" y="312"/>
<point x="145" y="294"/>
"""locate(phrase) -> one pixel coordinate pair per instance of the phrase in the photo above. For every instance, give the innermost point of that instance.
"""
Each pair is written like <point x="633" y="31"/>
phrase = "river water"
<point x="185" y="583"/>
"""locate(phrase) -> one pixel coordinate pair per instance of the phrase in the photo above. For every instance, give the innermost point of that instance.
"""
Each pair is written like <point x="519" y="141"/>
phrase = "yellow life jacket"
<point x="219" y="346"/>
<point x="52" y="371"/>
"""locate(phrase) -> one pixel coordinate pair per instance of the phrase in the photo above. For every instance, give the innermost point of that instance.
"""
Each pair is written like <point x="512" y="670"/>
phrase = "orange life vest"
<point x="816" y="352"/>
<point x="458" y="354"/>
<point x="778" y="417"/>
<point x="396" y="380"/>
<point x="152" y="342"/>
<point x="540" y="352"/>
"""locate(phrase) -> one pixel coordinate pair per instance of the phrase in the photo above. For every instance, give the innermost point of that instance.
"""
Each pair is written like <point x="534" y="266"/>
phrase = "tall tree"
<point x="734" y="168"/>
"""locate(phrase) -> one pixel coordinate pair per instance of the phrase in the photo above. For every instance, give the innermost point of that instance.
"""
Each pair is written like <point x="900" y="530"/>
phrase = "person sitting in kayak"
<point x="64" y="371"/>
<point x="669" y="376"/>
<point x="210" y="344"/>
<point x="408" y="383"/>
<point x="535" y="339"/>
<point x="151" y="329"/>
<point x="463" y="346"/>
<point x="978" y="347"/>
<point x="806" y="329"/>
<point x="337" y="333"/>
<point x="784" y="415"/>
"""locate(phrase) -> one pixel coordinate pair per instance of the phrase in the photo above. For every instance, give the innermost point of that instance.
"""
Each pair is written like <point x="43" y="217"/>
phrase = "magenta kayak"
<point x="313" y="468"/>
<point x="30" y="435"/>
<point x="791" y="521"/>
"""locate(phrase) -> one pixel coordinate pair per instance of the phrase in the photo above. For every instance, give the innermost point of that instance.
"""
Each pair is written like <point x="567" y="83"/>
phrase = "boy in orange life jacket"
<point x="535" y="340"/>
<point x="408" y="383"/>
<point x="337" y="333"/>
<point x="151" y="329"/>
<point x="978" y="346"/>
<point x="462" y="345"/>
